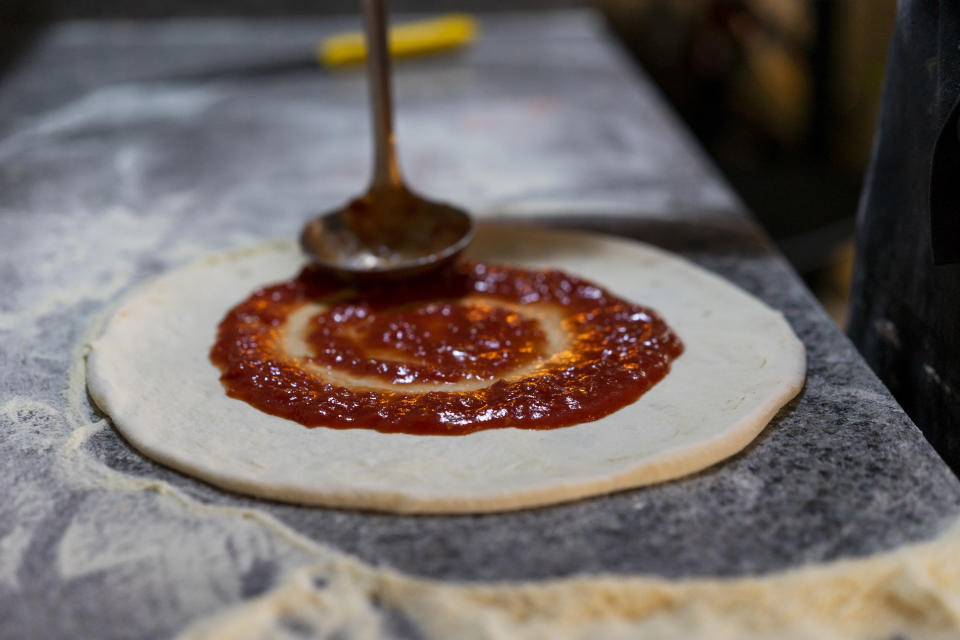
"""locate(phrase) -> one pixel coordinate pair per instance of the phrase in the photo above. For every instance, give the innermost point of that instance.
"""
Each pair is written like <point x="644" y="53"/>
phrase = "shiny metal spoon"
<point x="389" y="232"/>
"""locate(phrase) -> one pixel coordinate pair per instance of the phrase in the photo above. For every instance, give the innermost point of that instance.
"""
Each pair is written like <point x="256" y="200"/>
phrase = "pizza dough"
<point x="910" y="592"/>
<point x="150" y="372"/>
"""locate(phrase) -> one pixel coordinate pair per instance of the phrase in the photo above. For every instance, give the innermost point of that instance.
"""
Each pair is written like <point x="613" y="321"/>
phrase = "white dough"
<point x="150" y="371"/>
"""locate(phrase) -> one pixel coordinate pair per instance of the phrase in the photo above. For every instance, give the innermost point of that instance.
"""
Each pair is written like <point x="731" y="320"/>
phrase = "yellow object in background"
<point x="406" y="40"/>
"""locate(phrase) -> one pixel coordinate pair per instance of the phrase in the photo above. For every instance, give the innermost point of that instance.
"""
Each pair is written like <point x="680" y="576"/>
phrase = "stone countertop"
<point x="127" y="148"/>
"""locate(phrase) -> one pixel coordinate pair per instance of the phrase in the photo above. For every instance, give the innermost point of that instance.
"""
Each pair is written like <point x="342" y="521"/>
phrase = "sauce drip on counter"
<point x="449" y="355"/>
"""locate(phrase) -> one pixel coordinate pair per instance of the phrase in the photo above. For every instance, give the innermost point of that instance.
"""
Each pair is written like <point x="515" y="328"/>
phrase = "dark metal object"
<point x="905" y="311"/>
<point x="389" y="232"/>
<point x="945" y="192"/>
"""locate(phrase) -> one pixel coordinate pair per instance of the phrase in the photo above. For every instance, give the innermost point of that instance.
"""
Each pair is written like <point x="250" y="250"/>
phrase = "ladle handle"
<point x="386" y="170"/>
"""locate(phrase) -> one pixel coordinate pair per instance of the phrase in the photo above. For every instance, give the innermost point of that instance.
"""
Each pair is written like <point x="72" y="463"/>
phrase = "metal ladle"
<point x="389" y="232"/>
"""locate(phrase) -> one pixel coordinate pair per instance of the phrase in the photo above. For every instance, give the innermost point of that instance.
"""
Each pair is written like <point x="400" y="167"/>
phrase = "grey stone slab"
<point x="128" y="148"/>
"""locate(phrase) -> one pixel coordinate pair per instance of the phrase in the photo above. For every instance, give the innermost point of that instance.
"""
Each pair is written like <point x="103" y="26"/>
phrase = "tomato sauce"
<point x="455" y="353"/>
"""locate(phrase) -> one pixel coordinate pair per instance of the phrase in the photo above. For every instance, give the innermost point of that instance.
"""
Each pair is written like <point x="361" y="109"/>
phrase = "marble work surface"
<point x="129" y="148"/>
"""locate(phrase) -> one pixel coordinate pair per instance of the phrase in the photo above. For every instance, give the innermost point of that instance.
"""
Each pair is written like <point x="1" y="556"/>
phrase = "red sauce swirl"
<point x="442" y="341"/>
<point x="480" y="347"/>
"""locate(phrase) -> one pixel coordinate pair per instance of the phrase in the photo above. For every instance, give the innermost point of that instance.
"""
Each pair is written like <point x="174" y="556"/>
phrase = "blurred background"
<point x="782" y="94"/>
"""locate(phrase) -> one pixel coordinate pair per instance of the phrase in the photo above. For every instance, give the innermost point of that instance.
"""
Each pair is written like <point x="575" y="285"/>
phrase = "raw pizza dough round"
<point x="150" y="372"/>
